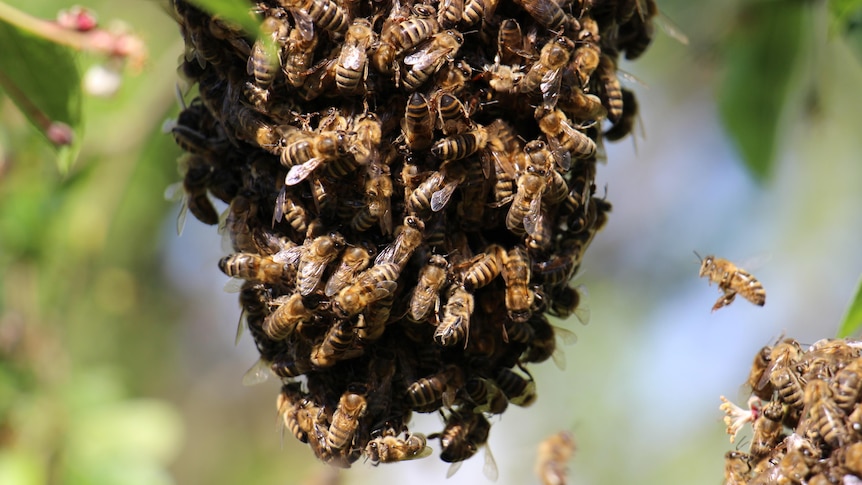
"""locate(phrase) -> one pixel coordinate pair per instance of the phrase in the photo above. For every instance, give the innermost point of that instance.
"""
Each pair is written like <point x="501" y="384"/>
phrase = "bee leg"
<point x="724" y="300"/>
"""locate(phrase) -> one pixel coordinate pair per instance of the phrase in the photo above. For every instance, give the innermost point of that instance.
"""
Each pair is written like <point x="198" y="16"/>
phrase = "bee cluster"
<point x="805" y="413"/>
<point x="384" y="162"/>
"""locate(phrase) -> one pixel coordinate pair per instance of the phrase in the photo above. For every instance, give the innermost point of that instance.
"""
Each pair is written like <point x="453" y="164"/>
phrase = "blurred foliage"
<point x="88" y="328"/>
<point x="853" y="317"/>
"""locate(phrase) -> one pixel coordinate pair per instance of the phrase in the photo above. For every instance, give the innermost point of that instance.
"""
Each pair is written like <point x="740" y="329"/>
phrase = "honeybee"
<point x="426" y="394"/>
<point x="552" y="459"/>
<point x="485" y="396"/>
<point x="461" y="439"/>
<point x="767" y="430"/>
<point x="516" y="274"/>
<point x="568" y="139"/>
<point x="758" y="369"/>
<point x="335" y="345"/>
<point x="430" y="57"/>
<point x="568" y="301"/>
<point x="290" y="366"/>
<point x="731" y="280"/>
<point x="313" y="258"/>
<point x="847" y="385"/>
<point x="290" y="312"/>
<point x="737" y="467"/>
<point x="417" y="125"/>
<point x="483" y="268"/>
<point x="613" y="96"/>
<point x="254" y="300"/>
<point x="546" y="73"/>
<point x="504" y="78"/>
<point x="449" y="13"/>
<point x="519" y="391"/>
<point x="426" y="295"/>
<point x="253" y="267"/>
<point x="627" y="119"/>
<point x="453" y="118"/>
<point x="581" y="106"/>
<point x="543" y="344"/>
<point x="288" y="207"/>
<point x="263" y="61"/>
<point x="367" y="133"/>
<point x="434" y="193"/>
<point x="792" y="468"/>
<point x="408" y="237"/>
<point x="251" y="127"/>
<point x="288" y="404"/>
<point x="326" y="14"/>
<point x="461" y="146"/>
<point x="478" y="10"/>
<point x="237" y="225"/>
<point x="548" y="14"/>
<point x="374" y="319"/>
<point x="510" y="43"/>
<point x="785" y="353"/>
<point x="789" y="386"/>
<point x="825" y="415"/>
<point x="298" y="56"/>
<point x="455" y="324"/>
<point x="373" y="284"/>
<point x="397" y="37"/>
<point x="351" y="408"/>
<point x="525" y="212"/>
<point x="194" y="191"/>
<point x="585" y="59"/>
<point x="354" y="260"/>
<point x="389" y="448"/>
<point x="453" y="77"/>
<point x="312" y="153"/>
<point x="352" y="66"/>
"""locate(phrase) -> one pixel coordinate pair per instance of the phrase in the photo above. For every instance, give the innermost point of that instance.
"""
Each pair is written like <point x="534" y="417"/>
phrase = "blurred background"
<point x="117" y="356"/>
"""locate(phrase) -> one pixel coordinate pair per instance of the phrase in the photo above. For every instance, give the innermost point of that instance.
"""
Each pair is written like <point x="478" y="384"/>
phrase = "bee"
<point x="378" y="191"/>
<point x="543" y="344"/>
<point x="454" y="76"/>
<point x="252" y="128"/>
<point x="288" y="366"/>
<point x="476" y="11"/>
<point x="568" y="301"/>
<point x="307" y="155"/>
<point x="367" y="133"/>
<point x="417" y="125"/>
<point x="289" y="403"/>
<point x="758" y="369"/>
<point x="298" y="56"/>
<point x="426" y="295"/>
<point x="197" y="174"/>
<point x="408" y="237"/>
<point x="510" y="43"/>
<point x="546" y="73"/>
<point x="426" y="394"/>
<point x="263" y="61"/>
<point x="254" y="299"/>
<point x="825" y="415"/>
<point x="313" y="257"/>
<point x="516" y="274"/>
<point x="449" y="13"/>
<point x="504" y="78"/>
<point x="525" y="212"/>
<point x="486" y="397"/>
<point x="553" y="456"/>
<point x="793" y="467"/>
<point x="354" y="260"/>
<point x="737" y="468"/>
<point x="459" y="147"/>
<point x="789" y="385"/>
<point x="434" y="193"/>
<point x="290" y="312"/>
<point x="847" y="385"/>
<point x="581" y="106"/>
<point x="461" y="439"/>
<point x="613" y="95"/>
<point x="289" y="208"/>
<point x="351" y="408"/>
<point x="483" y="268"/>
<point x="455" y="324"/>
<point x="585" y="59"/>
<point x="785" y="353"/>
<point x="731" y="280"/>
<point x="452" y="115"/>
<point x="430" y="57"/>
<point x="548" y="14"/>
<point x="519" y="391"/>
<point x="326" y="14"/>
<point x="352" y="66"/>
<point x="253" y="267"/>
<point x="767" y="430"/>
<point x="373" y="284"/>
<point x="389" y="448"/>
<point x="398" y="37"/>
<point x="374" y="319"/>
<point x="238" y="223"/>
<point x="335" y="345"/>
<point x="565" y="138"/>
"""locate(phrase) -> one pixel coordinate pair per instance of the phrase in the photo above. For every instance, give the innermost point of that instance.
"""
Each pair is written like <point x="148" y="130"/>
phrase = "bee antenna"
<point x="698" y="256"/>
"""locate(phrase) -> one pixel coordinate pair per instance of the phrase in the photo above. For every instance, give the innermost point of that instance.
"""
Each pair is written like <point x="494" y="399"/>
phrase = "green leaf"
<point x="853" y="318"/>
<point x="842" y="9"/>
<point x="761" y="54"/>
<point x="237" y="11"/>
<point x="42" y="79"/>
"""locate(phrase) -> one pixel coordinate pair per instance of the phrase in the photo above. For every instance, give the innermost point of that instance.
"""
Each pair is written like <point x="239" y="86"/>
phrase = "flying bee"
<point x="434" y="192"/>
<point x="253" y="267"/>
<point x="389" y="448"/>
<point x="417" y="125"/>
<point x="519" y="391"/>
<point x="291" y="311"/>
<point x="453" y="118"/>
<point x="312" y="153"/>
<point x="486" y="397"/>
<point x="566" y="140"/>
<point x="731" y="280"/>
<point x="825" y="415"/>
<point x="398" y="37"/>
<point x="549" y="14"/>
<point x="461" y="438"/>
<point x="553" y="456"/>
<point x="335" y="346"/>
<point x="426" y="295"/>
<point x="546" y="73"/>
<point x="847" y="385"/>
<point x="351" y="408"/>
<point x="454" y="326"/>
<point x="352" y="66"/>
<point x="516" y="274"/>
<point x="263" y="63"/>
<point x="483" y="268"/>
<point x="354" y="260"/>
<point x="326" y="14"/>
<point x="298" y="56"/>
<point x="426" y="60"/>
<point x="313" y="258"/>
<point x="426" y="394"/>
<point x="408" y="237"/>
<point x="373" y="284"/>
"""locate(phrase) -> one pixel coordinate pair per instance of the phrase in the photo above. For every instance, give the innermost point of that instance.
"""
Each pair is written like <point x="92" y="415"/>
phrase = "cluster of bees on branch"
<point x="411" y="188"/>
<point x="805" y="414"/>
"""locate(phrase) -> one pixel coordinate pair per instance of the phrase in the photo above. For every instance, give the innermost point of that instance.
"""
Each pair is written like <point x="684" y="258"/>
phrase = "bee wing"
<point x="388" y="253"/>
<point x="298" y="173"/>
<point x="582" y="312"/>
<point x="257" y="373"/>
<point x="353" y="57"/>
<point x="240" y="326"/>
<point x="562" y="157"/>
<point x="427" y="451"/>
<point x="233" y="285"/>
<point x="440" y="198"/>
<point x="384" y="289"/>
<point x="565" y="335"/>
<point x="304" y="23"/>
<point x="453" y="468"/>
<point x="312" y="272"/>
<point x="289" y="255"/>
<point x="337" y="281"/>
<point x="559" y="358"/>
<point x="278" y="211"/>
<point x="551" y="88"/>
<point x="533" y="220"/>
<point x="670" y="28"/>
<point x="426" y="56"/>
<point x="385" y="219"/>
<point x="490" y="468"/>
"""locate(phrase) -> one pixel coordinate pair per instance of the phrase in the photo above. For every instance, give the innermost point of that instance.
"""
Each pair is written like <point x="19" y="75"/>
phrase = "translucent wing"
<point x="258" y="373"/>
<point x="233" y="285"/>
<point x="353" y="57"/>
<point x="583" y="310"/>
<point x="426" y="56"/>
<point x="533" y="220"/>
<point x="453" y="468"/>
<point x="490" y="468"/>
<point x="551" y="88"/>
<point x="440" y="198"/>
<point x="304" y="23"/>
<point x="298" y="173"/>
<point x="240" y="326"/>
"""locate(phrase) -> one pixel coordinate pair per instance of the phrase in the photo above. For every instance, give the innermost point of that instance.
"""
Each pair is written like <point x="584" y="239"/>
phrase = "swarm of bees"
<point x="805" y="414"/>
<point x="411" y="188"/>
